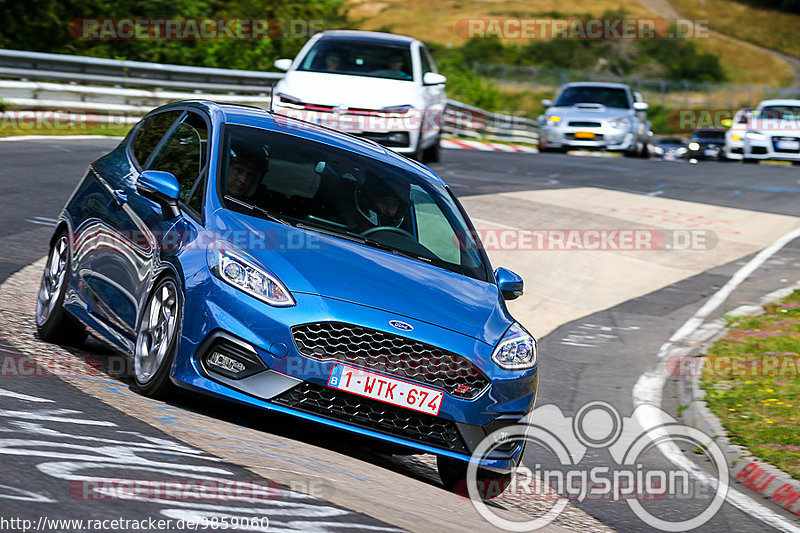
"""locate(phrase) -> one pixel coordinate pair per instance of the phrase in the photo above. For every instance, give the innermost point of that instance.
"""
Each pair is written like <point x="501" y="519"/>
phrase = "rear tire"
<point x="453" y="474"/>
<point x="53" y="323"/>
<point x="157" y="340"/>
<point x="434" y="152"/>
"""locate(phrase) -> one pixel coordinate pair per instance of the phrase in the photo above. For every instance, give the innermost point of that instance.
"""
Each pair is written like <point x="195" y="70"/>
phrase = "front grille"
<point x="391" y="354"/>
<point x="581" y="124"/>
<point x="371" y="414"/>
<point x="571" y="136"/>
<point x="776" y="140"/>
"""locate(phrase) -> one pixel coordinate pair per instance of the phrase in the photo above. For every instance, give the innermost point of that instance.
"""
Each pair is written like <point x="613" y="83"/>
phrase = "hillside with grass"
<point x="434" y="21"/>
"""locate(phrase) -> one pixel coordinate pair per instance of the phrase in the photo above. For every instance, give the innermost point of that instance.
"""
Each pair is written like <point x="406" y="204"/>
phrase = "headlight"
<point x="755" y="136"/>
<point x="553" y="120"/>
<point x="516" y="350"/>
<point x="622" y="123"/>
<point x="285" y="100"/>
<point x="236" y="268"/>
<point x="397" y="110"/>
<point x="694" y="146"/>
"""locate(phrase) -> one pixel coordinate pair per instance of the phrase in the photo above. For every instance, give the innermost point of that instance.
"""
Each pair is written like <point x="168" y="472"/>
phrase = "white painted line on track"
<point x="58" y="138"/>
<point x="648" y="389"/>
<point x="20" y="396"/>
<point x="499" y="225"/>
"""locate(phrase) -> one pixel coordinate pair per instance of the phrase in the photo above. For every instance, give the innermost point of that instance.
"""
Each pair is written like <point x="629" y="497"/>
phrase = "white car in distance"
<point x="774" y="132"/>
<point x="379" y="86"/>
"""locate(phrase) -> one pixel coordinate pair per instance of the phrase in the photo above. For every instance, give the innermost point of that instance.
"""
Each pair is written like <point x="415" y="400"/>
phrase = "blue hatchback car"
<point x="283" y="265"/>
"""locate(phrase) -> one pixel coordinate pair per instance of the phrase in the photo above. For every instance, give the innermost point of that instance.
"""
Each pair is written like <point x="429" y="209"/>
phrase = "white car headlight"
<point x="284" y="100"/>
<point x="755" y="136"/>
<point x="237" y="269"/>
<point x="517" y="350"/>
<point x="694" y="146"/>
<point x="622" y="123"/>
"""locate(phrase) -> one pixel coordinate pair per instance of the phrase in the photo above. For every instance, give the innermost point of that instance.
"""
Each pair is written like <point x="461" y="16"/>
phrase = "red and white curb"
<point x="487" y="146"/>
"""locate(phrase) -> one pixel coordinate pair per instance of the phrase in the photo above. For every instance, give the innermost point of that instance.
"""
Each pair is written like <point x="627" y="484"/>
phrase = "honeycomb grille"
<point x="372" y="414"/>
<point x="391" y="354"/>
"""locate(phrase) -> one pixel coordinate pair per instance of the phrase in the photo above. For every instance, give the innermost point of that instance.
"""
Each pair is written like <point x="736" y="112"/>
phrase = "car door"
<point x="435" y="99"/>
<point x="106" y="244"/>
<point x="138" y="224"/>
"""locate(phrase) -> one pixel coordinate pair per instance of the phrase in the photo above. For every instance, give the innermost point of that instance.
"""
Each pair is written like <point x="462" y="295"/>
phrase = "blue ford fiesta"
<point x="279" y="264"/>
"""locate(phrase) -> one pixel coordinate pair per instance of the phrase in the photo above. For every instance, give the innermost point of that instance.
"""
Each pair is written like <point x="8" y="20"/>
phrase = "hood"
<point x="312" y="263"/>
<point x="362" y="92"/>
<point x="585" y="112"/>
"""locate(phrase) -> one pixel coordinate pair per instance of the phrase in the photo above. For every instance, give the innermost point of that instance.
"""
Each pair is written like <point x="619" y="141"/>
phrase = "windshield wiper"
<point x="257" y="210"/>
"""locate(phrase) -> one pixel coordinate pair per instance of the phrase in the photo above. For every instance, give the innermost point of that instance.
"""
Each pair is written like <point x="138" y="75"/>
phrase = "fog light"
<point x="396" y="138"/>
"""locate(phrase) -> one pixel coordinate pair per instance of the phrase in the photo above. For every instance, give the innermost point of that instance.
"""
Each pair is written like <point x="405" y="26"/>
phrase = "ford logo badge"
<point x="402" y="326"/>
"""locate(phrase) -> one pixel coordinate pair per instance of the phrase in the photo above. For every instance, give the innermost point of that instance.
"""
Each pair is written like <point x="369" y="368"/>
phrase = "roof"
<point x="374" y="36"/>
<point x="597" y="84"/>
<point x="779" y="101"/>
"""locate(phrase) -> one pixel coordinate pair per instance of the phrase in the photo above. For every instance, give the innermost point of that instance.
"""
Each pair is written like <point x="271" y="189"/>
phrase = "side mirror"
<point x="547" y="102"/>
<point x="510" y="284"/>
<point x="162" y="188"/>
<point x="641" y="106"/>
<point x="432" y="78"/>
<point x="282" y="64"/>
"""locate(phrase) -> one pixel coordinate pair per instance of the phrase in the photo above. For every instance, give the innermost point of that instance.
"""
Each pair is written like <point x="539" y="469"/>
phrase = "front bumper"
<point x="289" y="382"/>
<point x="773" y="147"/>
<point x="399" y="133"/>
<point x="604" y="137"/>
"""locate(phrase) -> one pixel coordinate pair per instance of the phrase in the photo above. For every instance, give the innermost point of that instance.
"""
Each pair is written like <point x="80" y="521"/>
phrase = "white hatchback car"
<point x="379" y="86"/>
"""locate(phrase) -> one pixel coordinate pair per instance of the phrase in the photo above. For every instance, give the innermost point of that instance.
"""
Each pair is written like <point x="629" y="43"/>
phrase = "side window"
<point x="150" y="132"/>
<point x="427" y="62"/>
<point x="196" y="200"/>
<point x="184" y="153"/>
<point x="433" y="230"/>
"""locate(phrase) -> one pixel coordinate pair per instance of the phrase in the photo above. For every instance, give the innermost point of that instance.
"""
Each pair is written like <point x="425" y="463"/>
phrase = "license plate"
<point x="386" y="389"/>
<point x="788" y="145"/>
<point x="710" y="152"/>
<point x="584" y="135"/>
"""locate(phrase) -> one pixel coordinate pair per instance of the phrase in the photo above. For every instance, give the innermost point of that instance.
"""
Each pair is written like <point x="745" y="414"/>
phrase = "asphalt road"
<point x="597" y="358"/>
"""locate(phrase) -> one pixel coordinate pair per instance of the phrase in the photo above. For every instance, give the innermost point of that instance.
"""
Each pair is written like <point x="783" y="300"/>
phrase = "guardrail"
<point x="131" y="88"/>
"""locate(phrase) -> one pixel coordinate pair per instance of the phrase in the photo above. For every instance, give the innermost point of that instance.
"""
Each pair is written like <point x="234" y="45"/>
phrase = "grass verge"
<point x="752" y="383"/>
<point x="112" y="130"/>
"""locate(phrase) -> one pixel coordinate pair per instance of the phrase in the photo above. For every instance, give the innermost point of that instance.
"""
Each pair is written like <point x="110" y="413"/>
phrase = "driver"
<point x="382" y="204"/>
<point x="246" y="168"/>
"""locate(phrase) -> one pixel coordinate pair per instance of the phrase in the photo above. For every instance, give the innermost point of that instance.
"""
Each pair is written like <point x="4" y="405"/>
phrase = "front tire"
<point x="157" y="340"/>
<point x="453" y="474"/>
<point x="53" y="323"/>
<point x="433" y="153"/>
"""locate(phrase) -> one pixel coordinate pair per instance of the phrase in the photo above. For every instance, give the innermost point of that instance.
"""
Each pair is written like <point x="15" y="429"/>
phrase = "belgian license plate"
<point x="788" y="145"/>
<point x="386" y="389"/>
<point x="584" y="135"/>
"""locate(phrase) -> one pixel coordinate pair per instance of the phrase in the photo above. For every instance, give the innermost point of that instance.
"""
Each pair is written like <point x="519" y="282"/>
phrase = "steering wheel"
<point x="390" y="229"/>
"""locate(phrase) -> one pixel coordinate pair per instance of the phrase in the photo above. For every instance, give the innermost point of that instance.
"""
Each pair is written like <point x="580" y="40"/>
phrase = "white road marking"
<point x="19" y="396"/>
<point x="648" y="389"/>
<point x="499" y="225"/>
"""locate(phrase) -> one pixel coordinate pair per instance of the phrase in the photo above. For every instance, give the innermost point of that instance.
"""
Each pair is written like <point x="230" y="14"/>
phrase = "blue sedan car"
<point x="286" y="266"/>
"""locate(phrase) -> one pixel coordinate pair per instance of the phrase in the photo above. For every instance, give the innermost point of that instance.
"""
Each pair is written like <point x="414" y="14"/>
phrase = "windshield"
<point x="789" y="112"/>
<point x="359" y="58"/>
<point x="709" y="135"/>
<point x="586" y="94"/>
<point x="313" y="185"/>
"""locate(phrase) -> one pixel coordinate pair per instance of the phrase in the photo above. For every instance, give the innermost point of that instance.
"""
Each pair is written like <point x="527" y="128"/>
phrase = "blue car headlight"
<point x="517" y="350"/>
<point x="243" y="272"/>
